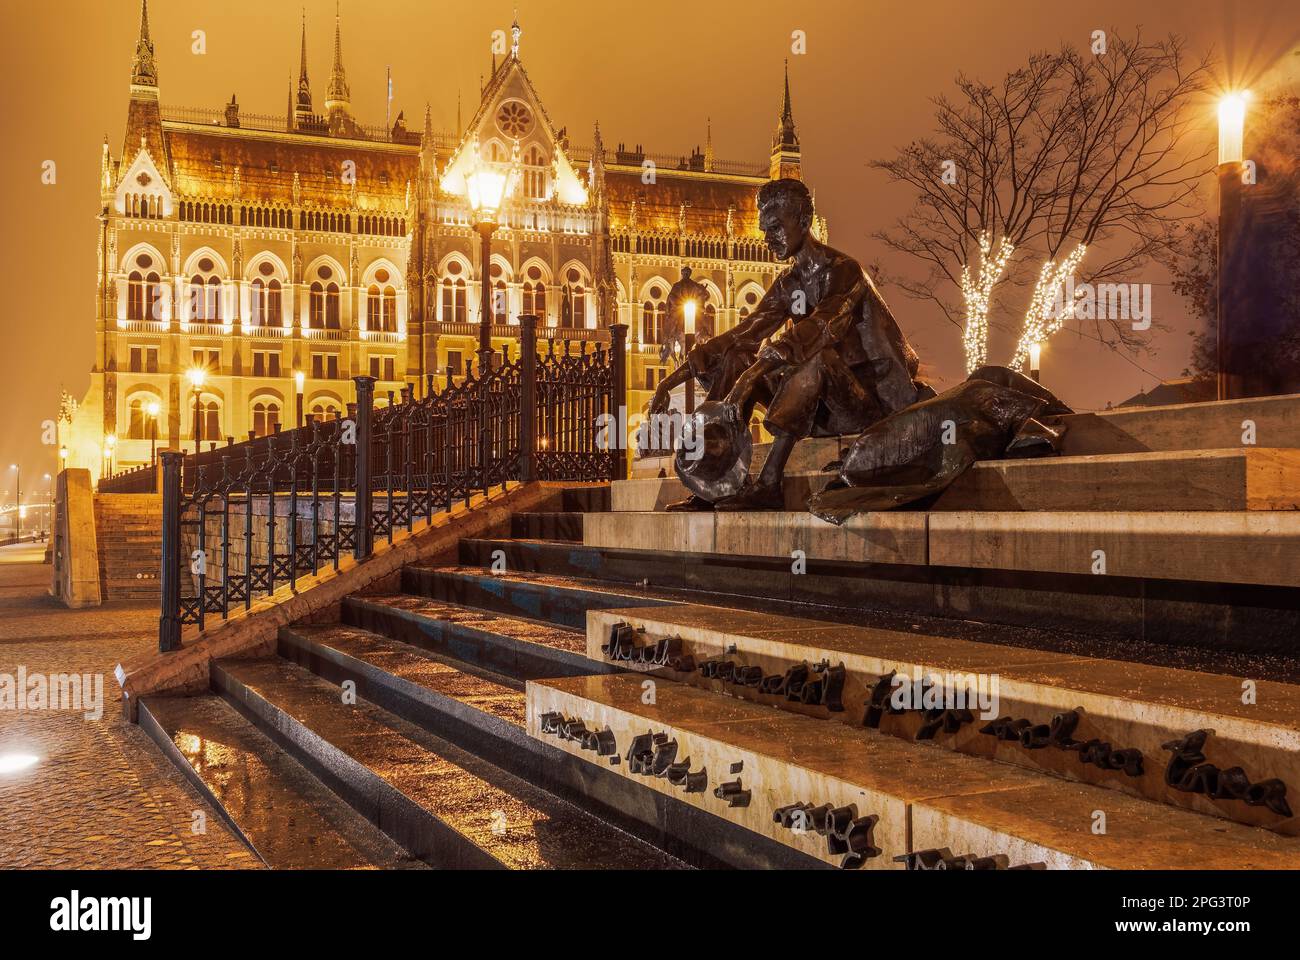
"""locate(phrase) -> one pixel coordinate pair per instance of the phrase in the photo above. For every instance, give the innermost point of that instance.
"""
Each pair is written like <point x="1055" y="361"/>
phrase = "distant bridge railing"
<point x="243" y="520"/>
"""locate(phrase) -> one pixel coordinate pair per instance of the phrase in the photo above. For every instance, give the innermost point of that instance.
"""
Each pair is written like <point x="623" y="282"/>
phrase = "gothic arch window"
<point x="135" y="296"/>
<point x="209" y="419"/>
<point x="535" y="292"/>
<point x="316" y="306"/>
<point x="500" y="297"/>
<point x="573" y="300"/>
<point x="266" y="417"/>
<point x="535" y="169"/>
<point x="141" y="426"/>
<point x="205" y="293"/>
<point x="453" y="293"/>
<point x="323" y="410"/>
<point x="374" y="305"/>
<point x="652" y="315"/>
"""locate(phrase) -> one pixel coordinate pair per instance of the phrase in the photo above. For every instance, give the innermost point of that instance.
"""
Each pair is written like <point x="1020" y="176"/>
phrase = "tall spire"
<point x="304" y="85"/>
<point x="786" y="137"/>
<point x="144" y="72"/>
<point x="708" y="146"/>
<point x="786" y="160"/>
<point x="338" y="89"/>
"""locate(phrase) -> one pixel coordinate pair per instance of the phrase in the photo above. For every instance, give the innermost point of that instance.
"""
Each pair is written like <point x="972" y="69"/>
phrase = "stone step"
<point x="1242" y="547"/>
<point x="530" y="597"/>
<point x="547" y="526"/>
<point x="288" y="818"/>
<point x="442" y="804"/>
<point x="746" y="762"/>
<point x="1190" y="614"/>
<point x="483" y="714"/>
<point x="1275" y="422"/>
<point x="514" y="647"/>
<point x="1128" y="707"/>
<point x="1241" y="478"/>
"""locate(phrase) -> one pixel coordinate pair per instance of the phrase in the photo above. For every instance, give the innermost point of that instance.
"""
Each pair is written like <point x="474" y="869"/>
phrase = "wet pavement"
<point x="80" y="791"/>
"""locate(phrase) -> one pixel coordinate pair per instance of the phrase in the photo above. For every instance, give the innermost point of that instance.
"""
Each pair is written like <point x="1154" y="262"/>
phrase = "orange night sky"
<point x="649" y="73"/>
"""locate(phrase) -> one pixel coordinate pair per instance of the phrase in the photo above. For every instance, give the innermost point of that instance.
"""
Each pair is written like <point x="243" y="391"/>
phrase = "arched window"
<point x="266" y="417"/>
<point x="390" y="310"/>
<point x="141" y="425"/>
<point x="573" y="302"/>
<point x="135" y="296"/>
<point x="500" y="298"/>
<point x="323" y="410"/>
<point x="209" y="419"/>
<point x="374" y="305"/>
<point x="332" y="307"/>
<point x="535" y="170"/>
<point x="205" y="293"/>
<point x="652" y="315"/>
<point x="453" y="294"/>
<point x="274" y="307"/>
<point x="316" y="309"/>
<point x="535" y="293"/>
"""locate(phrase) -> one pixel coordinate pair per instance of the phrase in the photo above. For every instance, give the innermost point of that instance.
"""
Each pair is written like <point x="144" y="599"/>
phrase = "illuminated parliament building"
<point x="245" y="260"/>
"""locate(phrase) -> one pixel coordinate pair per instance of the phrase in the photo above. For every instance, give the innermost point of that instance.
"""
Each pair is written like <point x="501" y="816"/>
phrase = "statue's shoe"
<point x="691" y="504"/>
<point x="754" y="496"/>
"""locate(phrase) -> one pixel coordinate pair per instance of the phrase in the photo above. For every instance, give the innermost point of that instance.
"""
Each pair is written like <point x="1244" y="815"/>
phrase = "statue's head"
<point x="785" y="212"/>
<point x="686" y="273"/>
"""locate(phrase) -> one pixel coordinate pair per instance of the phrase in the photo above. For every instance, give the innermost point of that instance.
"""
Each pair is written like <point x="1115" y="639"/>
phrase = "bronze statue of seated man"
<point x="840" y="364"/>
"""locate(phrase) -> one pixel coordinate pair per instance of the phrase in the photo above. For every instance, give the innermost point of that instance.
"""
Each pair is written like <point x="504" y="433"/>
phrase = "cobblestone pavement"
<point x="101" y="795"/>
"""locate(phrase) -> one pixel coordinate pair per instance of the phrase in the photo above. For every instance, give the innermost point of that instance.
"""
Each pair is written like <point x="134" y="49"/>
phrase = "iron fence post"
<point x="618" y="400"/>
<point x="363" y="536"/>
<point x="169" y="625"/>
<point x="528" y="397"/>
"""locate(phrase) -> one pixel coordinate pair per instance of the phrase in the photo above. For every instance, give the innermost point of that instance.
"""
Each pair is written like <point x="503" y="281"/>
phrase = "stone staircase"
<point x="623" y="688"/>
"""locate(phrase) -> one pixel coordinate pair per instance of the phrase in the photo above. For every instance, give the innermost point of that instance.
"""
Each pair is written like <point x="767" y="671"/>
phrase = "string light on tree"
<point x="977" y="295"/>
<point x="1042" y="319"/>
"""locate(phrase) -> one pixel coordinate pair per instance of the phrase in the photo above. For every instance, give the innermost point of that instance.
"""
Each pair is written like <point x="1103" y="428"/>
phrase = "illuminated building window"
<point x="266" y="417"/>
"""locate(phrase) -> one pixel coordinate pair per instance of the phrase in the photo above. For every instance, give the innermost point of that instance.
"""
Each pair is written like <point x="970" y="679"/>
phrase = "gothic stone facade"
<point x="262" y="250"/>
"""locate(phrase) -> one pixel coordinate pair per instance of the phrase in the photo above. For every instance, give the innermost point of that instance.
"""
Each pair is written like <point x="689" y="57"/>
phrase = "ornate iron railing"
<point x="246" y="519"/>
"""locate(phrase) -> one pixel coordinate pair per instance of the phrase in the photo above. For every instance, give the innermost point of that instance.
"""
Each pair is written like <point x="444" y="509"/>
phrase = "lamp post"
<point x="299" y="382"/>
<point x="1035" y="358"/>
<point x="110" y="447"/>
<point x="49" y="505"/>
<point x="488" y="187"/>
<point x="153" y="410"/>
<point x="1231" y="305"/>
<point x="197" y="376"/>
<point x="18" y="510"/>
<point x="688" y="328"/>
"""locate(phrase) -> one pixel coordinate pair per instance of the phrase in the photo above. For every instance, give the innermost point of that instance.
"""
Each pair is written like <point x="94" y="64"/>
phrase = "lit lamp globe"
<point x="1232" y="126"/>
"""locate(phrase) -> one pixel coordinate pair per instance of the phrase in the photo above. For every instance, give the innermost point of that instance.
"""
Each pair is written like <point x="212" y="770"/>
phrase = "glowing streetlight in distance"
<point x="300" y="380"/>
<point x="197" y="376"/>
<point x="689" y="308"/>
<point x="1232" y="126"/>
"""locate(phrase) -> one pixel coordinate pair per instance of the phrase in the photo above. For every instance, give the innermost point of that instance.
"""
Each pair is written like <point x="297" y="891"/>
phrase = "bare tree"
<point x="1070" y="151"/>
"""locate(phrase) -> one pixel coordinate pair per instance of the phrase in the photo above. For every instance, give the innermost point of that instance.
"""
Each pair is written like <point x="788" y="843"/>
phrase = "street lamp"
<point x="299" y="381"/>
<point x="18" y="513"/>
<point x="197" y="377"/>
<point x="152" y="409"/>
<point x="1233" y="305"/>
<point x="488" y="188"/>
<point x="110" y="445"/>
<point x="1035" y="358"/>
<point x="688" y="328"/>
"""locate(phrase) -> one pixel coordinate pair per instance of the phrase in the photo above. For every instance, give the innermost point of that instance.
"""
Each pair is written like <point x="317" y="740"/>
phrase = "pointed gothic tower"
<point x="338" y="98"/>
<point x="302" y="102"/>
<point x="786" y="160"/>
<point x="143" y="119"/>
